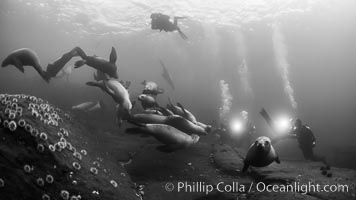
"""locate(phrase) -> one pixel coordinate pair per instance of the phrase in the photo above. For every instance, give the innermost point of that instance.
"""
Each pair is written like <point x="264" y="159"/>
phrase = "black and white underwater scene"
<point x="177" y="99"/>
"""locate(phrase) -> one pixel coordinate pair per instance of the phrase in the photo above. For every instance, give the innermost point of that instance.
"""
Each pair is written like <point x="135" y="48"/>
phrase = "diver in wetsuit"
<point x="306" y="140"/>
<point x="162" y="22"/>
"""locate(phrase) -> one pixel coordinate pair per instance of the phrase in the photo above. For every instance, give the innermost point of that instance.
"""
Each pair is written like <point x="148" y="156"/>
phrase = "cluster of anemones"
<point x="43" y="111"/>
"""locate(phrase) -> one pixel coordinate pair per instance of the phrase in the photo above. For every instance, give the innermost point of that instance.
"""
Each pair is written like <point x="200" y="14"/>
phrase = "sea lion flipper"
<point x="181" y="106"/>
<point x="277" y="160"/>
<point x="19" y="65"/>
<point x="113" y="56"/>
<point x="92" y="83"/>
<point x="246" y="165"/>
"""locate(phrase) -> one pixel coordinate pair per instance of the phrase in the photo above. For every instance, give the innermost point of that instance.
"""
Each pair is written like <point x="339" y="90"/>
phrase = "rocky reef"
<point x="45" y="155"/>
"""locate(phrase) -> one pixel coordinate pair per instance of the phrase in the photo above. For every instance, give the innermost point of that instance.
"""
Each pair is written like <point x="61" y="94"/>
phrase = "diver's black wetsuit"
<point x="306" y="141"/>
<point x="161" y="22"/>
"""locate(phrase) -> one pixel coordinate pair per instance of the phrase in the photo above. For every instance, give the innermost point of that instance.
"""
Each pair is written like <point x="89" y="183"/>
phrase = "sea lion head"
<point x="141" y="97"/>
<point x="263" y="143"/>
<point x="6" y="62"/>
<point x="145" y="97"/>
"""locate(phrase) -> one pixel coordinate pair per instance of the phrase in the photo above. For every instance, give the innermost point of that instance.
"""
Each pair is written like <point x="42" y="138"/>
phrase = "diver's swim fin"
<point x="182" y="34"/>
<point x="267" y="117"/>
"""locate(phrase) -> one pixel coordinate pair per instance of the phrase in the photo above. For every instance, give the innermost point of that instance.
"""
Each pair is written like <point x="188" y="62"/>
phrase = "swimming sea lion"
<point x="121" y="96"/>
<point x="172" y="138"/>
<point x="151" y="88"/>
<point x="107" y="67"/>
<point x="175" y="121"/>
<point x="83" y="106"/>
<point x="180" y="110"/>
<point x="147" y="101"/>
<point x="185" y="125"/>
<point x="260" y="154"/>
<point x="146" y="118"/>
<point x="25" y="57"/>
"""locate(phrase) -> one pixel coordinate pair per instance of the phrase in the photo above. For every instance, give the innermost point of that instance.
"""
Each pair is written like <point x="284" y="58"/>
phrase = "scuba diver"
<point x="306" y="140"/>
<point x="162" y="22"/>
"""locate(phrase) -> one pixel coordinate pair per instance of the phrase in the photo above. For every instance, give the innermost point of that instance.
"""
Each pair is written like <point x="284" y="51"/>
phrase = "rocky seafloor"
<point x="48" y="153"/>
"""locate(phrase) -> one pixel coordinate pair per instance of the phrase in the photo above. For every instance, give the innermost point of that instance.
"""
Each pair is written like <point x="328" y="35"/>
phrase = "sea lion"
<point x="180" y="110"/>
<point x="57" y="66"/>
<point x="175" y="121"/>
<point x="185" y="125"/>
<point x="172" y="138"/>
<point x="25" y="57"/>
<point x="107" y="67"/>
<point x="147" y="118"/>
<point x="151" y="88"/>
<point x="147" y="101"/>
<point x="90" y="106"/>
<point x="260" y="154"/>
<point x="166" y="75"/>
<point x="122" y="97"/>
<point x="83" y="106"/>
